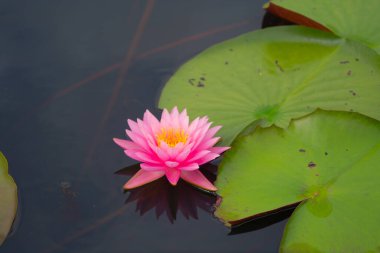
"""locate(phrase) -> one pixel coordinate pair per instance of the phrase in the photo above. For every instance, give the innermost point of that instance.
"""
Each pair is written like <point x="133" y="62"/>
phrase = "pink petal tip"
<point x="198" y="179"/>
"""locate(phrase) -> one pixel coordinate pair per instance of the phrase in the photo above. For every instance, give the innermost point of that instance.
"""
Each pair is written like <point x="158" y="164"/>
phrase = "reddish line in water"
<point x="109" y="69"/>
<point x="92" y="77"/>
<point x="82" y="232"/>
<point x="194" y="37"/>
<point x="79" y="84"/>
<point x="122" y="73"/>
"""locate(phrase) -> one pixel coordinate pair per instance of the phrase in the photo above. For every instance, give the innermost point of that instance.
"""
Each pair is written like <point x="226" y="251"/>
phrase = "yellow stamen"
<point x="171" y="137"/>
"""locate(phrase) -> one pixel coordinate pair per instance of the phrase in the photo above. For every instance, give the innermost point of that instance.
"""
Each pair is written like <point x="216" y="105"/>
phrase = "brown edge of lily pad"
<point x="239" y="222"/>
<point x="295" y="17"/>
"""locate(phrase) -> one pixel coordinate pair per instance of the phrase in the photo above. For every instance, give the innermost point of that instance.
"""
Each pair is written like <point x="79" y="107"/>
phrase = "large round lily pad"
<point x="329" y="162"/>
<point x="276" y="75"/>
<point x="8" y="199"/>
<point x="353" y="19"/>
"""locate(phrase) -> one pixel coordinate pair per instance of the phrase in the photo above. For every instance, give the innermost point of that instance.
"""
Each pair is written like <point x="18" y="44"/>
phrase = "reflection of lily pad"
<point x="353" y="19"/>
<point x="8" y="199"/>
<point x="276" y="74"/>
<point x="328" y="161"/>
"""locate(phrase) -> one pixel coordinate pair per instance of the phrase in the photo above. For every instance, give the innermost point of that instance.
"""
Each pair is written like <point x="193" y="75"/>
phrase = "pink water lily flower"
<point x="171" y="147"/>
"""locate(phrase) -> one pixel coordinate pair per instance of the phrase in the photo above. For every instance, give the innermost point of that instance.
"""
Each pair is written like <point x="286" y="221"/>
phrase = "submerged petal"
<point x="143" y="177"/>
<point x="198" y="179"/>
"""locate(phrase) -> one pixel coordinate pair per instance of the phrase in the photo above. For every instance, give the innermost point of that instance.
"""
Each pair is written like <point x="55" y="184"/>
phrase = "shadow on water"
<point x="164" y="199"/>
<point x="262" y="222"/>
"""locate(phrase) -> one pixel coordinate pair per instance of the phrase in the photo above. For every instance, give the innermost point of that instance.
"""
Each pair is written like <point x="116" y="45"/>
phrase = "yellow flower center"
<point x="171" y="137"/>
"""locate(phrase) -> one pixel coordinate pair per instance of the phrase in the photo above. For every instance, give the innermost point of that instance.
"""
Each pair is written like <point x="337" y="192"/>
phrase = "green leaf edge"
<point x="8" y="179"/>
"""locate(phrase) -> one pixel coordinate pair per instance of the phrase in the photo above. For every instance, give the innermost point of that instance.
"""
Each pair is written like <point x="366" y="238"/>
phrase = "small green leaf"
<point x="329" y="162"/>
<point x="8" y="199"/>
<point x="276" y="75"/>
<point x="352" y="19"/>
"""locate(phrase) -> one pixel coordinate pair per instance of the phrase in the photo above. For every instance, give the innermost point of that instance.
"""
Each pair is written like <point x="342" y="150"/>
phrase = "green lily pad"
<point x="329" y="162"/>
<point x="8" y="199"/>
<point x="276" y="75"/>
<point x="351" y="19"/>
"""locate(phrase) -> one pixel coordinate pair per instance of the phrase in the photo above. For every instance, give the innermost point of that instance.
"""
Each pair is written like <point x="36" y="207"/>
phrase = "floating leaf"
<point x="8" y="199"/>
<point x="329" y="162"/>
<point x="275" y="75"/>
<point x="351" y="19"/>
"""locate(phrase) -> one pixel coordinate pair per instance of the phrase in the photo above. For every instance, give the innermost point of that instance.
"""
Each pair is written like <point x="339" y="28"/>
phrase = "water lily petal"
<point x="191" y="166"/>
<point x="197" y="125"/>
<point x="140" y="156"/>
<point x="212" y="131"/>
<point x="208" y="143"/>
<point x="200" y="135"/>
<point x="151" y="121"/>
<point x="198" y="179"/>
<point x="184" y="153"/>
<point x="126" y="144"/>
<point x="134" y="127"/>
<point x="146" y="131"/>
<point x="171" y="164"/>
<point x="161" y="153"/>
<point x="173" y="175"/>
<point x="218" y="150"/>
<point x="178" y="150"/>
<point x="193" y="126"/>
<point x="165" y="119"/>
<point x="198" y="155"/>
<point x="168" y="150"/>
<point x="138" y="139"/>
<point x="152" y="167"/>
<point x="171" y="146"/>
<point x="184" y="120"/>
<point x="143" y="177"/>
<point x="203" y="121"/>
<point x="174" y="115"/>
<point x="144" y="157"/>
<point x="207" y="158"/>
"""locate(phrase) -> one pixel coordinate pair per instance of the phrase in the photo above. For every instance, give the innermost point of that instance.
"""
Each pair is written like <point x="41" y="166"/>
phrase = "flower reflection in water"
<point x="164" y="199"/>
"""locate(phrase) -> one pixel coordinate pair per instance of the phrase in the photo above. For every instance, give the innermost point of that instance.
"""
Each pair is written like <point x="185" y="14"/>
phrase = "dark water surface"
<point x="71" y="73"/>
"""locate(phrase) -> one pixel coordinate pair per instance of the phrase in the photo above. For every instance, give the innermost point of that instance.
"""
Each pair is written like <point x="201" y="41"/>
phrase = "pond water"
<point x="71" y="73"/>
